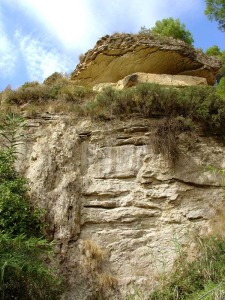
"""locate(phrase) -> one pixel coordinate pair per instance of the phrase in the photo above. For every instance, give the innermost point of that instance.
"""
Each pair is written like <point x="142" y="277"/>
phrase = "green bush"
<point x="30" y="85"/>
<point x="204" y="275"/>
<point x="58" y="88"/>
<point x="200" y="104"/>
<point x="24" y="274"/>
<point x="54" y="78"/>
<point x="74" y="93"/>
<point x="16" y="215"/>
<point x="204" y="105"/>
<point x="30" y="94"/>
<point x="24" y="253"/>
<point x="221" y="87"/>
<point x="170" y="28"/>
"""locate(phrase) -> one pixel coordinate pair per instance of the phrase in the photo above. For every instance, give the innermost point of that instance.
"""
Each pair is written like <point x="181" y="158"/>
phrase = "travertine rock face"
<point x="105" y="188"/>
<point x="119" y="55"/>
<point x="162" y="79"/>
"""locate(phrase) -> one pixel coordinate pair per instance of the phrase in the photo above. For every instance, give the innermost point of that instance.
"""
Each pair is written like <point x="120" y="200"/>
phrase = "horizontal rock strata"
<point x="105" y="193"/>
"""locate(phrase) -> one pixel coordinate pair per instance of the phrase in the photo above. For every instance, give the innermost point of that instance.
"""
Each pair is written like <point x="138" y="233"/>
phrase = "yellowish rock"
<point x="97" y="186"/>
<point x="162" y="79"/>
<point x="114" y="57"/>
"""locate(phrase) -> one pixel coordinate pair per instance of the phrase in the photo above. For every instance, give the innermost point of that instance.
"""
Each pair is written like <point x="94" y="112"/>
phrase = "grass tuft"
<point x="202" y="277"/>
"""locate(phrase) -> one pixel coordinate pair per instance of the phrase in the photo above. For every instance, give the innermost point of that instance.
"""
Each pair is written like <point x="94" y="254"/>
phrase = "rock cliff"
<point x="119" y="55"/>
<point x="116" y="208"/>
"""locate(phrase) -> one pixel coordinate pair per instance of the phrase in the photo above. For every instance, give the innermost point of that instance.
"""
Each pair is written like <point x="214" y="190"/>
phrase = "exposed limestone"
<point x="119" y="55"/>
<point x="162" y="79"/>
<point x="98" y="184"/>
<point x="101" y="86"/>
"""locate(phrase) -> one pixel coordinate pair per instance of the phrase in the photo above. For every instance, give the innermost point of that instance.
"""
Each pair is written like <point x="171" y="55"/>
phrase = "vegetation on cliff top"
<point x="180" y="109"/>
<point x="170" y="28"/>
<point x="202" y="105"/>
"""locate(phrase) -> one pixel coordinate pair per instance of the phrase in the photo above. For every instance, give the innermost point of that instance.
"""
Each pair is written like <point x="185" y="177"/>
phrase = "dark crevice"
<point x="125" y="177"/>
<point x="118" y="221"/>
<point x="114" y="54"/>
<point x="124" y="143"/>
<point x="156" y="181"/>
<point x="194" y="184"/>
<point x="99" y="207"/>
<point x="149" y="207"/>
<point x="105" y="195"/>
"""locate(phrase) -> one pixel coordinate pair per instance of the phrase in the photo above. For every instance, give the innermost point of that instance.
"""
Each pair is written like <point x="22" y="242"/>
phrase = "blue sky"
<point x="39" y="37"/>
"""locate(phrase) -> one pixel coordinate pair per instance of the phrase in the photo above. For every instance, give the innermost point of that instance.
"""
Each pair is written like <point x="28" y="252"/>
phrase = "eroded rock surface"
<point x="103" y="185"/>
<point x="162" y="79"/>
<point x="119" y="55"/>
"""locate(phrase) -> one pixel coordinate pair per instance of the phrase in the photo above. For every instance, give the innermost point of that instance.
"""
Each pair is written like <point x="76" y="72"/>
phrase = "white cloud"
<point x="7" y="53"/>
<point x="40" y="60"/>
<point x="68" y="20"/>
<point x="139" y="11"/>
<point x="78" y="24"/>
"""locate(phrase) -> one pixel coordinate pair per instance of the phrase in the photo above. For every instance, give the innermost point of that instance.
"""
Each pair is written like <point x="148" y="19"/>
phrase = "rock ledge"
<point x="119" y="55"/>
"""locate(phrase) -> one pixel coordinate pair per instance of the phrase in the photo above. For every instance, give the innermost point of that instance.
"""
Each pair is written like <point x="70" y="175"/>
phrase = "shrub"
<point x="57" y="88"/>
<point x="221" y="87"/>
<point x="30" y="94"/>
<point x="201" y="276"/>
<point x="74" y="93"/>
<point x="24" y="273"/>
<point x="170" y="28"/>
<point x="17" y="217"/>
<point x="200" y="104"/>
<point x="104" y="104"/>
<point x="30" y="85"/>
<point x="53" y="78"/>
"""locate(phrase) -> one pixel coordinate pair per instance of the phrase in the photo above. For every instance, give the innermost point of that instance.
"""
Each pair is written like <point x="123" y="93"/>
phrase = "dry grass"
<point x="94" y="255"/>
<point x="107" y="281"/>
<point x="166" y="140"/>
<point x="95" y="268"/>
<point x="217" y="224"/>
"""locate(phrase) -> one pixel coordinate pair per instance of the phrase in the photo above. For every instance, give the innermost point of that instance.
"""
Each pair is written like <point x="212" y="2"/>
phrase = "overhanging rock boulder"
<point x="162" y="79"/>
<point x="114" y="57"/>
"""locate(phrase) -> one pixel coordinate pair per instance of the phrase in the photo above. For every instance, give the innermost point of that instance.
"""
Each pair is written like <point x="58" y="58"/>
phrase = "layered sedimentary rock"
<point x="105" y="190"/>
<point x="162" y="79"/>
<point x="119" y="55"/>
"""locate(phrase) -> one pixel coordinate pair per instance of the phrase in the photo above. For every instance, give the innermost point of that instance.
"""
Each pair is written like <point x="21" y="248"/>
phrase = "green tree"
<point x="24" y="273"/>
<point x="215" y="10"/>
<point x="215" y="51"/>
<point x="172" y="28"/>
<point x="16" y="215"/>
<point x="221" y="87"/>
